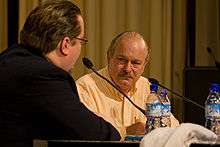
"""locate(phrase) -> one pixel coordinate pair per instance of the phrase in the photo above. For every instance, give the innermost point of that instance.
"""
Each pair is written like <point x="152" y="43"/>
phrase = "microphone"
<point x="154" y="81"/>
<point x="89" y="65"/>
<point x="217" y="64"/>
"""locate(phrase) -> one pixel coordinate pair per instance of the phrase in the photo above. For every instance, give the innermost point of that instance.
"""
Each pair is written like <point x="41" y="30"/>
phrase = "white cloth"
<point x="181" y="136"/>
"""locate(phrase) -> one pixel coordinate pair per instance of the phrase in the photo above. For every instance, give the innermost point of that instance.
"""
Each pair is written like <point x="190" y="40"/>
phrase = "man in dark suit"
<point x="39" y="99"/>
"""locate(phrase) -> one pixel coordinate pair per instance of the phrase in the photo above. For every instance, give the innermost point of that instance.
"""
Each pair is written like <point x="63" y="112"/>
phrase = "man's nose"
<point x="128" y="66"/>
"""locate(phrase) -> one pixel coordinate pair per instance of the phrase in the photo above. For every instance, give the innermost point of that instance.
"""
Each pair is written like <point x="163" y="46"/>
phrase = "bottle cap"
<point x="163" y="92"/>
<point x="154" y="87"/>
<point x="215" y="87"/>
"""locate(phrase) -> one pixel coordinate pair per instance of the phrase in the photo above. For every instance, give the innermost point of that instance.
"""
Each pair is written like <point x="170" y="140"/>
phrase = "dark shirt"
<point x="39" y="100"/>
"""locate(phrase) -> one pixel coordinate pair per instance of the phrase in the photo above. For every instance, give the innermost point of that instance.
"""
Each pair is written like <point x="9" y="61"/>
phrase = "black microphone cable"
<point x="152" y="80"/>
<point x="90" y="65"/>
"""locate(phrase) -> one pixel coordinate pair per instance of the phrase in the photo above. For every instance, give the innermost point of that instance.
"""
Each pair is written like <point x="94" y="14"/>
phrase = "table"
<point x="80" y="143"/>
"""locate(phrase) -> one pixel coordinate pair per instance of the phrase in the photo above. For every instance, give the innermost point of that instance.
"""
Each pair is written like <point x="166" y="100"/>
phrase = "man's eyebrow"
<point x="136" y="60"/>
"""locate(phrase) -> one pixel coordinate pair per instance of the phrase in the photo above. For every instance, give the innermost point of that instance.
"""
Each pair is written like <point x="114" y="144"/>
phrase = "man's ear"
<point x="65" y="46"/>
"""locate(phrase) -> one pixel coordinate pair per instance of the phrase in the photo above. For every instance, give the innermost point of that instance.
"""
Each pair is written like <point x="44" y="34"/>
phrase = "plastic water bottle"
<point x="153" y="110"/>
<point x="166" y="109"/>
<point x="212" y="109"/>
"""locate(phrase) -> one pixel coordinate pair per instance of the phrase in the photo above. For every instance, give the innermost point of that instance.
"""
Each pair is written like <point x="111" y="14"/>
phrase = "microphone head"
<point x="87" y="63"/>
<point x="217" y="64"/>
<point x="209" y="50"/>
<point x="153" y="81"/>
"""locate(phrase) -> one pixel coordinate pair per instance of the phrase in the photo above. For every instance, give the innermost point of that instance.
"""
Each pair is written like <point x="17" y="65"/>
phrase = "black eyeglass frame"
<point x="84" y="40"/>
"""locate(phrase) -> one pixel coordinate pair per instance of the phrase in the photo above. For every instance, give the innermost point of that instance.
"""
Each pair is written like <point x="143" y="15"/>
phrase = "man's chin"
<point x="125" y="82"/>
<point x="125" y="85"/>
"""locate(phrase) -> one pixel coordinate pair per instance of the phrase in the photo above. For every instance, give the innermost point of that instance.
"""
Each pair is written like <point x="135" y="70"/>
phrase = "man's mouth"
<point x="126" y="77"/>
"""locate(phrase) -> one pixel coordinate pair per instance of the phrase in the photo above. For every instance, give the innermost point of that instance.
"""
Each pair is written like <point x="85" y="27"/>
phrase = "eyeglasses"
<point x="83" y="40"/>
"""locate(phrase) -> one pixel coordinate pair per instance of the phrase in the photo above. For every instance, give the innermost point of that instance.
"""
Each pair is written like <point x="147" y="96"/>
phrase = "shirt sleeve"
<point x="85" y="97"/>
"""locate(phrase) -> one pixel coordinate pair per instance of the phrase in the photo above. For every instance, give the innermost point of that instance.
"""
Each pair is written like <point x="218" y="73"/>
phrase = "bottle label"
<point x="153" y="109"/>
<point x="213" y="110"/>
<point x="166" y="109"/>
<point x="158" y="109"/>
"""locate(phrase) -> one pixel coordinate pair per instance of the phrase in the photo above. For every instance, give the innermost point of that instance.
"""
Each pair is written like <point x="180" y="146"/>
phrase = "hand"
<point x="136" y="129"/>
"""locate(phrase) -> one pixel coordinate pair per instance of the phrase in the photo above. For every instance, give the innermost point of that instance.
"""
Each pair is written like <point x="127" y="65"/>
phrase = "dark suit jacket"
<point x="38" y="100"/>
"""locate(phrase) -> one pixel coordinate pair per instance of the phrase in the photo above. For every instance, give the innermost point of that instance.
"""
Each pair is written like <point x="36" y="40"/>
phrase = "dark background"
<point x="196" y="82"/>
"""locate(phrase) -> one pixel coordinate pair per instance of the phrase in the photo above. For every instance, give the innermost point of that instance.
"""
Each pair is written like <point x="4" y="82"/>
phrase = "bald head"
<point x="125" y="37"/>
